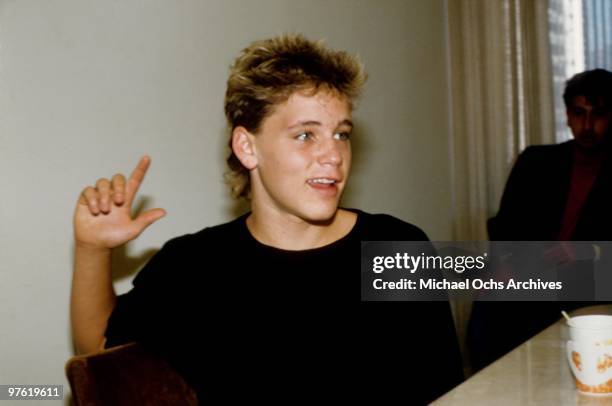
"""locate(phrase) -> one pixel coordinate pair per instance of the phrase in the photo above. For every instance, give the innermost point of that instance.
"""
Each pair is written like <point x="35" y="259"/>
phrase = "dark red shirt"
<point x="585" y="168"/>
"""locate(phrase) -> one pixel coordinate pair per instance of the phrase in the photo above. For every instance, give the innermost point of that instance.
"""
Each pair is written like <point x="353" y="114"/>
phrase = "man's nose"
<point x="329" y="152"/>
<point x="588" y="121"/>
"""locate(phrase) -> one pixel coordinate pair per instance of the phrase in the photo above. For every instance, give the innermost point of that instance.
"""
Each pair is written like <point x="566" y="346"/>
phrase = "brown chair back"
<point x="126" y="375"/>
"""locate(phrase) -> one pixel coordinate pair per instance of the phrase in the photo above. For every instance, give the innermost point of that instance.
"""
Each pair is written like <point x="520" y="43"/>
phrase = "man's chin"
<point x="322" y="215"/>
<point x="589" y="145"/>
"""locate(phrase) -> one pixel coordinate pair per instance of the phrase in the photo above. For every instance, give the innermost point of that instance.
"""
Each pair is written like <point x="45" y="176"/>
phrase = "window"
<point x="580" y="39"/>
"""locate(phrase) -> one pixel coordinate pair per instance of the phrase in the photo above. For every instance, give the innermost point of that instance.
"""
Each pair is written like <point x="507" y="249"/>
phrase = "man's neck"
<point x="289" y="232"/>
<point x="591" y="156"/>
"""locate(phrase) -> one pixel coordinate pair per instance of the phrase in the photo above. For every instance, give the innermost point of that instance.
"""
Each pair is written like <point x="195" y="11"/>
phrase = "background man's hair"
<point x="594" y="85"/>
<point x="267" y="72"/>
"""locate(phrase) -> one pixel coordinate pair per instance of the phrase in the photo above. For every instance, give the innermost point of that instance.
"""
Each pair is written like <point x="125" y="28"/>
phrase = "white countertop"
<point x="535" y="373"/>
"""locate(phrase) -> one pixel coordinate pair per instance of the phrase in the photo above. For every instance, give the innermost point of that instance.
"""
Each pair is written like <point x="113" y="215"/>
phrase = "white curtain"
<point x="581" y="34"/>
<point x="501" y="99"/>
<point x="598" y="33"/>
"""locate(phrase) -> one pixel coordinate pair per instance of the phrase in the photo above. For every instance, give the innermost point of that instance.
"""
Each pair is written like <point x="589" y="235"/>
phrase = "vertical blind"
<point x="581" y="39"/>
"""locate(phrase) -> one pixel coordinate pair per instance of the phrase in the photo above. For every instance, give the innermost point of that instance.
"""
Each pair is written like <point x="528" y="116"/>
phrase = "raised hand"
<point x="103" y="214"/>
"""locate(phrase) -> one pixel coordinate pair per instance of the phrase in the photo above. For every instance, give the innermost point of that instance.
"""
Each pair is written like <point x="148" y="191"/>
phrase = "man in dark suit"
<point x="564" y="192"/>
<point x="559" y="192"/>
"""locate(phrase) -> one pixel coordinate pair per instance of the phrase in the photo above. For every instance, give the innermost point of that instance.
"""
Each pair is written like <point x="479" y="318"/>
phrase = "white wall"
<point x="86" y="87"/>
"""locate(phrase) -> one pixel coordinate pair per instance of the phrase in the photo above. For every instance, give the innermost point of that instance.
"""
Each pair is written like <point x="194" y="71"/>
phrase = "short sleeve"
<point x="139" y="314"/>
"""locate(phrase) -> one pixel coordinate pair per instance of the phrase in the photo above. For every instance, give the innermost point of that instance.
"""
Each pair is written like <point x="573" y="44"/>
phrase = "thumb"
<point x="147" y="218"/>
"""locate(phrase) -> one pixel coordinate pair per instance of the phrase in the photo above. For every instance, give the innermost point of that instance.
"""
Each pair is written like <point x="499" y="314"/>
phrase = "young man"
<point x="265" y="306"/>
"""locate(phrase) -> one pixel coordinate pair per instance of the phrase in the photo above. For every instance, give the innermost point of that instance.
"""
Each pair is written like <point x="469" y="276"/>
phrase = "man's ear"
<point x="244" y="148"/>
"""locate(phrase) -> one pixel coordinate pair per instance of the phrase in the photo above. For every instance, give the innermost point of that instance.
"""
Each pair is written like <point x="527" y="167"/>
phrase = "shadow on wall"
<point x="124" y="264"/>
<point x="361" y="146"/>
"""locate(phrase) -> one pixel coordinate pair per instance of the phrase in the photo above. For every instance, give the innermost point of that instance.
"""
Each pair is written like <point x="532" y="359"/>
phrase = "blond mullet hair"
<point x="267" y="72"/>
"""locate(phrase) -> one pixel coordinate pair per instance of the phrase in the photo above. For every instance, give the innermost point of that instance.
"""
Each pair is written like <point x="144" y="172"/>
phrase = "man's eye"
<point x="600" y="112"/>
<point x="342" y="136"/>
<point x="304" y="136"/>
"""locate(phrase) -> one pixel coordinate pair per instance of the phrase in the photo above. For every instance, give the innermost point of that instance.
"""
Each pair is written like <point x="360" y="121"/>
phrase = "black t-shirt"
<point x="242" y="320"/>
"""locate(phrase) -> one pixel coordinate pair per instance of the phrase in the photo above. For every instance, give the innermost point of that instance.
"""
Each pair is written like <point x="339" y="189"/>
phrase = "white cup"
<point x="589" y="353"/>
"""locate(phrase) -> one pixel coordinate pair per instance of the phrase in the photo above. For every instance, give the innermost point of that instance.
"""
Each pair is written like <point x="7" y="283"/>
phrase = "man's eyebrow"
<point x="346" y="122"/>
<point x="304" y="124"/>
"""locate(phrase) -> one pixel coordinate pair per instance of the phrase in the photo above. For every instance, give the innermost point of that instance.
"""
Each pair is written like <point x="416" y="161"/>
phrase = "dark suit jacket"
<point x="536" y="193"/>
<point x="532" y="209"/>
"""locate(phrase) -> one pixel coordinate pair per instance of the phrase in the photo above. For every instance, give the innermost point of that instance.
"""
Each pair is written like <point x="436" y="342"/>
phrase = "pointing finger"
<point x="136" y="178"/>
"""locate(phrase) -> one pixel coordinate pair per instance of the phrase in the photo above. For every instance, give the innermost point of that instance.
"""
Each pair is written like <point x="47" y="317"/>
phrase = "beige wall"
<point x="86" y="87"/>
